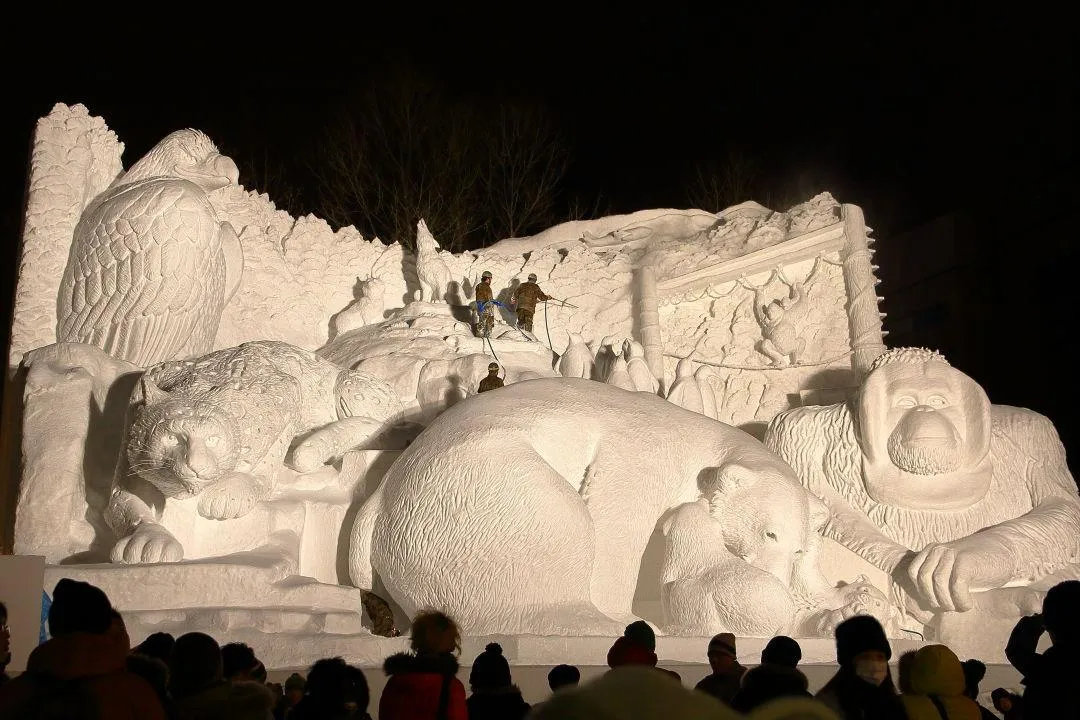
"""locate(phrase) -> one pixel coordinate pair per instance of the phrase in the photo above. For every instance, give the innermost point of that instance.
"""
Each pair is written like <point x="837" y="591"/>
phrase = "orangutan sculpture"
<point x="954" y="498"/>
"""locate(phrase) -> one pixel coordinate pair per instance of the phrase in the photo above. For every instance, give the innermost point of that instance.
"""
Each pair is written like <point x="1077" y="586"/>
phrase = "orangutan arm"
<point x="1027" y="450"/>
<point x="852" y="530"/>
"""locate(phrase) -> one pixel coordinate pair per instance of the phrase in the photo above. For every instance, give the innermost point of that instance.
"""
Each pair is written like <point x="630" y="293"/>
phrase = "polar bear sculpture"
<point x="528" y="509"/>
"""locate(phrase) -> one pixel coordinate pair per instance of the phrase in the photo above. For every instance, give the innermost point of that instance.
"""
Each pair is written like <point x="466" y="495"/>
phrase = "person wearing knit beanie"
<point x="493" y="693"/>
<point x="727" y="673"/>
<point x="863" y="686"/>
<point x="78" y="607"/>
<point x="781" y="650"/>
<point x="860" y="634"/>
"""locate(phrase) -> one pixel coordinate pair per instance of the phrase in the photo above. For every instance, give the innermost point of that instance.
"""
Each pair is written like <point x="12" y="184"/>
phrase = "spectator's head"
<point x="904" y="665"/>
<point x="152" y="670"/>
<point x="1060" y="616"/>
<point x="490" y="671"/>
<point x="335" y="686"/>
<point x="781" y="650"/>
<point x="434" y="632"/>
<point x="157" y="645"/>
<point x="195" y="664"/>
<point x="295" y="687"/>
<point x="974" y="672"/>
<point x="79" y="607"/>
<point x="563" y="676"/>
<point x="862" y="648"/>
<point x="1002" y="699"/>
<point x="238" y="662"/>
<point x="640" y="632"/>
<point x="722" y="652"/>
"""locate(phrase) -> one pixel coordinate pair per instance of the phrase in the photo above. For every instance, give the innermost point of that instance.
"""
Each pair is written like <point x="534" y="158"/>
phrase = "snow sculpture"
<point x="779" y="337"/>
<point x="755" y="574"/>
<point x="638" y="367"/>
<point x="964" y="508"/>
<point x="684" y="391"/>
<point x="76" y="396"/>
<point x="432" y="272"/>
<point x="532" y="524"/>
<point x="367" y="309"/>
<point x="151" y="265"/>
<point x="577" y="360"/>
<point x="219" y="428"/>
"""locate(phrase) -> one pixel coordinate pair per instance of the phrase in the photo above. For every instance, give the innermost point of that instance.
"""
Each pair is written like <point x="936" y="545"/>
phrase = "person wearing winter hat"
<point x="862" y="688"/>
<point x="200" y="690"/>
<point x="423" y="684"/>
<point x="766" y="683"/>
<point x="630" y="693"/>
<point x="782" y="650"/>
<point x="937" y="687"/>
<point x="494" y="696"/>
<point x="563" y="676"/>
<point x="637" y="646"/>
<point x="727" y="673"/>
<point x="82" y="667"/>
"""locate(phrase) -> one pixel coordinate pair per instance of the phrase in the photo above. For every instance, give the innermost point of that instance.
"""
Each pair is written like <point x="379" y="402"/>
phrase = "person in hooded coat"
<point x="937" y="687"/>
<point x="201" y="692"/>
<point x="494" y="696"/>
<point x="82" y="670"/>
<point x="862" y="689"/>
<point x="1050" y="686"/>
<point x="423" y="684"/>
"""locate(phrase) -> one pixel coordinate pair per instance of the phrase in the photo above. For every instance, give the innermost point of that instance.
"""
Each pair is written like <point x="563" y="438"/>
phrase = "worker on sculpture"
<point x="525" y="298"/>
<point x="485" y="306"/>
<point x="492" y="381"/>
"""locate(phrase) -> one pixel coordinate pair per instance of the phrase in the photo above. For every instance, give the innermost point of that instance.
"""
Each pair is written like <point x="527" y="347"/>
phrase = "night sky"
<point x="909" y="110"/>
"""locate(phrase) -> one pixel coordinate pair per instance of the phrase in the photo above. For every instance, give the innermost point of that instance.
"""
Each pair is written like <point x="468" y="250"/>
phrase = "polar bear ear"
<point x="732" y="477"/>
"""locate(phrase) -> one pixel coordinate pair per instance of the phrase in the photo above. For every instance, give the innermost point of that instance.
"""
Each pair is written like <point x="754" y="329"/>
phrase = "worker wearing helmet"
<point x="485" y="306"/>
<point x="525" y="298"/>
<point x="492" y="381"/>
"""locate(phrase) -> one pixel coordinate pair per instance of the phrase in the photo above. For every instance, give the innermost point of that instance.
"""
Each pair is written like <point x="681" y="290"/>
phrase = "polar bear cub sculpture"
<point x="527" y="510"/>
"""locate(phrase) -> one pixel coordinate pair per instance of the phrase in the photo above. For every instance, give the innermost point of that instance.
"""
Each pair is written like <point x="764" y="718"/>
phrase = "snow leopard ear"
<point x="150" y="392"/>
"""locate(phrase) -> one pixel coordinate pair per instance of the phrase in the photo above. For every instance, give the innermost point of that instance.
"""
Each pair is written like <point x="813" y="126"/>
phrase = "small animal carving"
<point x="432" y="272"/>
<point x="365" y="310"/>
<point x="151" y="266"/>
<point x="780" y="340"/>
<point x="221" y="426"/>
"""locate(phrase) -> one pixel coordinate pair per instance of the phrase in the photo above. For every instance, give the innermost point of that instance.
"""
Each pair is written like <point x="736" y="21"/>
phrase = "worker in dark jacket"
<point x="492" y="381"/>
<point x="525" y="298"/>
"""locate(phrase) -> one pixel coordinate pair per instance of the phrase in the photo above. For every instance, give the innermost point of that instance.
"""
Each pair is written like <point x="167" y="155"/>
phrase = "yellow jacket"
<point x="936" y="671"/>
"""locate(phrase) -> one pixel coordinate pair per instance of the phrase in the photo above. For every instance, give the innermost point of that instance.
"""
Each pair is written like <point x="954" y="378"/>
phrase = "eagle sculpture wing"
<point x="145" y="280"/>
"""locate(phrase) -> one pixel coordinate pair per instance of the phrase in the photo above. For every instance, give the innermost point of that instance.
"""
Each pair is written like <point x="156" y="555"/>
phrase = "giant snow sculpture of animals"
<point x="151" y="266"/>
<point x="432" y="272"/>
<point x="219" y="428"/>
<point x="527" y="510"/>
<point x="966" y="505"/>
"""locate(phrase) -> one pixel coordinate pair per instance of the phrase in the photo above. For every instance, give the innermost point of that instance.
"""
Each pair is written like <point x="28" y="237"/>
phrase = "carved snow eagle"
<point x="151" y="266"/>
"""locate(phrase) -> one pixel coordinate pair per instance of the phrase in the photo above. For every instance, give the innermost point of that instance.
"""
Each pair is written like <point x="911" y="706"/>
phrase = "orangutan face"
<point x="923" y="426"/>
